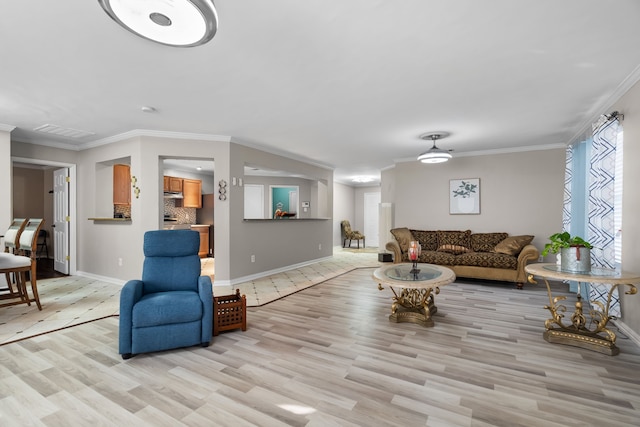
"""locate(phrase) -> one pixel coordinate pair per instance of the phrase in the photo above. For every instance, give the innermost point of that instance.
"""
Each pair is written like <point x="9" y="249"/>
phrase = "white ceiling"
<point x="347" y="84"/>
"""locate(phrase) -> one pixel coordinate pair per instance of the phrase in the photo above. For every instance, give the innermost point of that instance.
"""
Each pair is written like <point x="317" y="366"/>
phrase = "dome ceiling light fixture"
<point x="434" y="154"/>
<point x="178" y="23"/>
<point x="362" y="179"/>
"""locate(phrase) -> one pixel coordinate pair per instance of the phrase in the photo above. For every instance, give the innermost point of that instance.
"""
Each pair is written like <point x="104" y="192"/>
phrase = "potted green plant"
<point x="575" y="252"/>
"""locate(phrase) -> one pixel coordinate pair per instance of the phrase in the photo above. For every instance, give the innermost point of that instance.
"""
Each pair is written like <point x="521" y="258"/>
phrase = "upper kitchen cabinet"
<point x="121" y="184"/>
<point x="191" y="194"/>
<point x="172" y="184"/>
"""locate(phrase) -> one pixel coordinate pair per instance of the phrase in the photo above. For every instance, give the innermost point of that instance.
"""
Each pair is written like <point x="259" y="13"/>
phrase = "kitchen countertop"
<point x="174" y="226"/>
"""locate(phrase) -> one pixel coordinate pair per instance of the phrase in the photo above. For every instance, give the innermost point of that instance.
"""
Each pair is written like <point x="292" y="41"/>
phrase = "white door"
<point x="293" y="203"/>
<point x="61" y="220"/>
<point x="253" y="201"/>
<point x="371" y="202"/>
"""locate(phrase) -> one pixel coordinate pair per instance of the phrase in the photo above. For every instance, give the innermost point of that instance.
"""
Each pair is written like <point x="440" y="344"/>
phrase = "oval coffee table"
<point x="415" y="302"/>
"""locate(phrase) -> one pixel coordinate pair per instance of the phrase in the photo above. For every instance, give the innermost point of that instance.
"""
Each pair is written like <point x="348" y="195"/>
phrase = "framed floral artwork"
<point x="464" y="196"/>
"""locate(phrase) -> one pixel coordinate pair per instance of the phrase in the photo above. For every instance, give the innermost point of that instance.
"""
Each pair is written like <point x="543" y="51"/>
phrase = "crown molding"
<point x="607" y="104"/>
<point x="52" y="144"/>
<point x="136" y="133"/>
<point x="6" y="128"/>
<point x="511" y="150"/>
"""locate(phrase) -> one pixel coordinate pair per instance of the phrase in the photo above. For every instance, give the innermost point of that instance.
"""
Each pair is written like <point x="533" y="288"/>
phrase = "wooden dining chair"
<point x="11" y="242"/>
<point x="21" y="263"/>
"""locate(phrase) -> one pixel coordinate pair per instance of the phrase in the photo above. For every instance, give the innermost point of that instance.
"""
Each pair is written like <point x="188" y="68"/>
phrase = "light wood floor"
<point x="328" y="356"/>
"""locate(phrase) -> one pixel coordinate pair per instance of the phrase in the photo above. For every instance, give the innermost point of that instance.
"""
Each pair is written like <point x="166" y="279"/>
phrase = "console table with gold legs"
<point x="417" y="286"/>
<point x="592" y="335"/>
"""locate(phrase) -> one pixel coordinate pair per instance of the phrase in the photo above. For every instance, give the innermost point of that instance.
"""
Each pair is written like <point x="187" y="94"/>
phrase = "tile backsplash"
<point x="122" y="210"/>
<point x="183" y="215"/>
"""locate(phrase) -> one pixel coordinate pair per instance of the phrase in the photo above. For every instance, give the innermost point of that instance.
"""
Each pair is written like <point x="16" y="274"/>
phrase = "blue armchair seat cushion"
<point x="164" y="308"/>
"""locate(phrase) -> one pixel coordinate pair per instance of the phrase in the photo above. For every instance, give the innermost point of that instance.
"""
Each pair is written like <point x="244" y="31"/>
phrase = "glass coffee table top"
<point x="596" y="275"/>
<point x="401" y="275"/>
<point x="404" y="272"/>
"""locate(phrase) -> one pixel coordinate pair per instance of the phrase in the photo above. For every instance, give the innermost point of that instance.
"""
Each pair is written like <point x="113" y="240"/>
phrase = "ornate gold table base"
<point x="414" y="288"/>
<point x="413" y="306"/>
<point x="578" y="339"/>
<point x="593" y="335"/>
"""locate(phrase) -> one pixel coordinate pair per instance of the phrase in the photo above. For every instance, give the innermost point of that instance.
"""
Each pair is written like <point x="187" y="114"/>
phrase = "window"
<point x="617" y="205"/>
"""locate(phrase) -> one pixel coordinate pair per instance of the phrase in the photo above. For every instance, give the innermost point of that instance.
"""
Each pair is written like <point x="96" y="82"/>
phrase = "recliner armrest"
<point x="205" y="290"/>
<point x="130" y="294"/>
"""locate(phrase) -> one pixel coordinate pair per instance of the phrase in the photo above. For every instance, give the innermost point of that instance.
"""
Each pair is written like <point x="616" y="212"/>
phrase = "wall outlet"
<point x="119" y="262"/>
<point x="253" y="258"/>
<point x="540" y="258"/>
<point x="319" y="246"/>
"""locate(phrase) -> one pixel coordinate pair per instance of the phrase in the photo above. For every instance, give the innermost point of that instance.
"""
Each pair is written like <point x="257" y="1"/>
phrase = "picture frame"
<point x="464" y="196"/>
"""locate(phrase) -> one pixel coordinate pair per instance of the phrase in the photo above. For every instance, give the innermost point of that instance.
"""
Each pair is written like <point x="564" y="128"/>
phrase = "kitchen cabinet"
<point x="203" y="252"/>
<point x="191" y="194"/>
<point x="172" y="184"/>
<point x="121" y="184"/>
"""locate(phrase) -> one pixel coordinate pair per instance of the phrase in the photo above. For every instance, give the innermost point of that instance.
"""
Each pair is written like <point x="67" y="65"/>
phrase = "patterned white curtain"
<point x="568" y="181"/>
<point x="600" y="219"/>
<point x="573" y="215"/>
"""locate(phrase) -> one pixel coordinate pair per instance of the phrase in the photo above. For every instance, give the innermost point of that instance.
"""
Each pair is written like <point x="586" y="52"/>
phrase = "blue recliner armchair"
<point x="172" y="306"/>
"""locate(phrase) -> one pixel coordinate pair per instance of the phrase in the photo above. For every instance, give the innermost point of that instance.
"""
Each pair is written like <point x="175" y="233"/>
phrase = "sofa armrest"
<point x="528" y="253"/>
<point x="394" y="247"/>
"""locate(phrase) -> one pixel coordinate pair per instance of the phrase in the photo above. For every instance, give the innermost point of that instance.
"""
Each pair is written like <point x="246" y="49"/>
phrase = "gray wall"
<point x="343" y="208"/>
<point x="629" y="105"/>
<point x="520" y="193"/>
<point x="6" y="209"/>
<point x="276" y="244"/>
<point x="28" y="192"/>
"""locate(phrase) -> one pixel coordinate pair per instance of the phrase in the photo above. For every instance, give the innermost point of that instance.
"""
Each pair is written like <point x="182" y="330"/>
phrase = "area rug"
<point x="271" y="288"/>
<point x="362" y="250"/>
<point x="66" y="301"/>
<point x="74" y="300"/>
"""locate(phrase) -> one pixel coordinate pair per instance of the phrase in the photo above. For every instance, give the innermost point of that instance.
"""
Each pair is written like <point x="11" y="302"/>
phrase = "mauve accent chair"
<point x="172" y="306"/>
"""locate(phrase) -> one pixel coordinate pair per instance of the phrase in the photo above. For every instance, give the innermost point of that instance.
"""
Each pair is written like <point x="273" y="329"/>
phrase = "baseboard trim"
<point x="625" y="329"/>
<point x="262" y="274"/>
<point x="101" y="278"/>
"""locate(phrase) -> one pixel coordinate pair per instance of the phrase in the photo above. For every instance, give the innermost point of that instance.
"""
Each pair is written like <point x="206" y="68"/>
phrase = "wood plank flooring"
<point x="328" y="356"/>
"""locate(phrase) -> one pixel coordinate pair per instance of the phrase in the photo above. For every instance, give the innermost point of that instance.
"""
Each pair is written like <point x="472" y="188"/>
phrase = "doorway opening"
<point x="284" y="201"/>
<point x="62" y="241"/>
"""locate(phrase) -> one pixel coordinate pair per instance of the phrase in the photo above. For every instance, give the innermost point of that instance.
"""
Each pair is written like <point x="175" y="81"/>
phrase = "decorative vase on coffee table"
<point x="414" y="253"/>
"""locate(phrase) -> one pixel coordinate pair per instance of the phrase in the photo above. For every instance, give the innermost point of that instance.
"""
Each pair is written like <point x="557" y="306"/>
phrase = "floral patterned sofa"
<point x="488" y="256"/>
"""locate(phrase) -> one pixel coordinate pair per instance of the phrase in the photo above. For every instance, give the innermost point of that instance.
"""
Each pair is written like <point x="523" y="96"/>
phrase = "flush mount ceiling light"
<point x="362" y="179"/>
<point x="180" y="23"/>
<point x="434" y="154"/>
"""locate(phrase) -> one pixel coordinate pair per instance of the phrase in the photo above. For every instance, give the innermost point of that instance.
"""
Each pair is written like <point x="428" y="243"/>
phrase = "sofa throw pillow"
<point x="513" y="245"/>
<point x="428" y="239"/>
<point x="486" y="242"/>
<point x="403" y="237"/>
<point x="453" y="249"/>
<point x="455" y="237"/>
